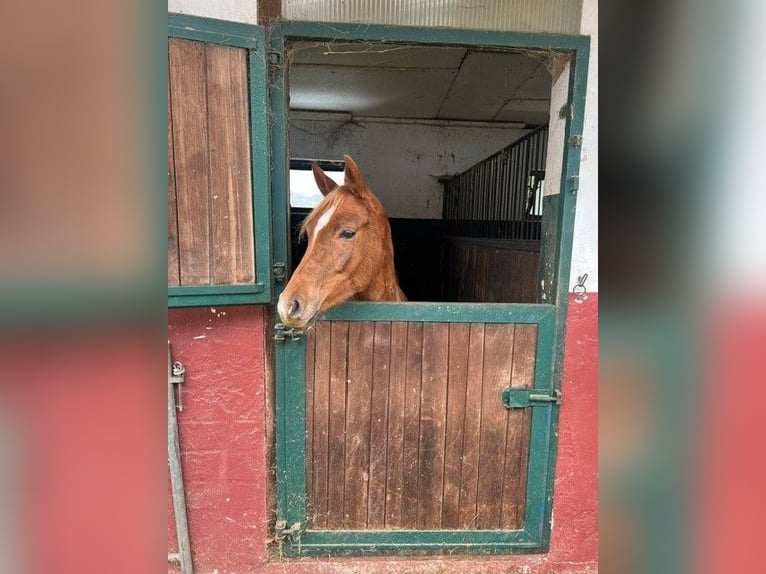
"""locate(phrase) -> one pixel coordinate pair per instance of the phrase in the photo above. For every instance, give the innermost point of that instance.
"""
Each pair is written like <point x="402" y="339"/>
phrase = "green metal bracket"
<point x="523" y="398"/>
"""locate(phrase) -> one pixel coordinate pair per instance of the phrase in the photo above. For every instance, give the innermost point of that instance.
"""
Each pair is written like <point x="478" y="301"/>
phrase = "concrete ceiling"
<point x="419" y="82"/>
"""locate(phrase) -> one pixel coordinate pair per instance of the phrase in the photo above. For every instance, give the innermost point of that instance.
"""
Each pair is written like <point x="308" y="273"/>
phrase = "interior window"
<point x="303" y="190"/>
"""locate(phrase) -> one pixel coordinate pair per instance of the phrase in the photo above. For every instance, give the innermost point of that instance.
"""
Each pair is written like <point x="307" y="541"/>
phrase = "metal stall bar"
<point x="490" y="199"/>
<point x="183" y="556"/>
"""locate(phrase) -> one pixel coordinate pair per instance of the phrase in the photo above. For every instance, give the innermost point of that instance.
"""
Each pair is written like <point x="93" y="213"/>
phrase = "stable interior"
<point x="452" y="140"/>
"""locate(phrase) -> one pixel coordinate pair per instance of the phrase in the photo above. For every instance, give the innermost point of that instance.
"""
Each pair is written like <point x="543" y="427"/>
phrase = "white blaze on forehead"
<point x="323" y="220"/>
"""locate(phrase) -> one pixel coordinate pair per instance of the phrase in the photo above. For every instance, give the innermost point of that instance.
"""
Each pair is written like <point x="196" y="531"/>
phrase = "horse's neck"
<point x="384" y="287"/>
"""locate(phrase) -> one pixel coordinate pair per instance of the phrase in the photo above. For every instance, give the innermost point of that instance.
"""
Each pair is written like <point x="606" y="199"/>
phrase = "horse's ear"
<point x="324" y="183"/>
<point x="352" y="175"/>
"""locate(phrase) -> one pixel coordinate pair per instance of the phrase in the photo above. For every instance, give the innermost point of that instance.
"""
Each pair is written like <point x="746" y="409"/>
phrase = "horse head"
<point x="349" y="253"/>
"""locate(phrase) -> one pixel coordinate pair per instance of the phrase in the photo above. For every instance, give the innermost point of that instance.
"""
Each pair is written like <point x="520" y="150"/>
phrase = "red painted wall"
<point x="222" y="429"/>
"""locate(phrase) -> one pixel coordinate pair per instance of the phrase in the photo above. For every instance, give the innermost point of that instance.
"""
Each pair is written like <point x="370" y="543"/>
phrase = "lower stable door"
<point x="416" y="428"/>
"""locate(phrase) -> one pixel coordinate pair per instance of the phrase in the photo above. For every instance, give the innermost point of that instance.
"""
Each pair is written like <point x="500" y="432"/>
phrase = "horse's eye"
<point x="347" y="234"/>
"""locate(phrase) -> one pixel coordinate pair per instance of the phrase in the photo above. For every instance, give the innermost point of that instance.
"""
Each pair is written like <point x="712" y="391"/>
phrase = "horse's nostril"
<point x="295" y="308"/>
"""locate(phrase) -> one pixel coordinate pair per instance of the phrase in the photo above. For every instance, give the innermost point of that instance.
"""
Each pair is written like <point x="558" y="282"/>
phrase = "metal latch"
<point x="282" y="532"/>
<point x="281" y="333"/>
<point x="523" y="398"/>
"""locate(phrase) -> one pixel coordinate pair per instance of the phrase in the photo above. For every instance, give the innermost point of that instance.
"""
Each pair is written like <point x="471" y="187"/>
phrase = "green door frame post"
<point x="253" y="39"/>
<point x="550" y="318"/>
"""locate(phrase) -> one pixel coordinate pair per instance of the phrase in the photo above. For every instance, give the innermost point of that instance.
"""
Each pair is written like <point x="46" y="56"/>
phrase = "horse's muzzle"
<point x="293" y="312"/>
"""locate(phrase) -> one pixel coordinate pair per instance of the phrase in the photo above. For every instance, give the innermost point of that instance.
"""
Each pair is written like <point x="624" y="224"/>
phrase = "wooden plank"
<point x="396" y="402"/>
<point x="483" y="270"/>
<point x="517" y="440"/>
<point x="319" y="440"/>
<point x="459" y="337"/>
<point x="174" y="277"/>
<point x="470" y="467"/>
<point x="190" y="148"/>
<point x="493" y="271"/>
<point x="414" y="361"/>
<point x="498" y="354"/>
<point x="337" y="424"/>
<point x="358" y="393"/>
<point x="229" y="156"/>
<point x="381" y="368"/>
<point x="433" y="414"/>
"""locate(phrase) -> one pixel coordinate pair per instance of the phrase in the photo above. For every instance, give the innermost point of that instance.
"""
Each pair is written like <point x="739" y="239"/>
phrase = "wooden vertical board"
<point x="472" y="432"/>
<point x="433" y="412"/>
<point x="454" y="433"/>
<point x="318" y="460"/>
<point x="310" y="383"/>
<point x="414" y="361"/>
<point x="517" y="440"/>
<point x="358" y="392"/>
<point x="381" y="368"/>
<point x="337" y="424"/>
<point x="498" y="272"/>
<point x="190" y="148"/>
<point x="229" y="156"/>
<point x="173" y="270"/>
<point x="396" y="417"/>
<point x="498" y="354"/>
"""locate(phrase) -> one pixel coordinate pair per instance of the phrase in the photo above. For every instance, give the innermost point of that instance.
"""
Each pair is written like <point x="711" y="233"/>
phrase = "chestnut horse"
<point x="349" y="253"/>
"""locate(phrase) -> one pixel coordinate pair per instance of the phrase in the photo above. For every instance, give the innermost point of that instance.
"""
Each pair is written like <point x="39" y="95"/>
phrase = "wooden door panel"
<point x="210" y="198"/>
<point x="406" y="428"/>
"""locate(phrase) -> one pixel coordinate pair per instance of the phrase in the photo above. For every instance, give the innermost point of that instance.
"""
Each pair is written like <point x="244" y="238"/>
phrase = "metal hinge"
<point x="279" y="271"/>
<point x="574" y="183"/>
<point x="282" y="532"/>
<point x="523" y="398"/>
<point x="281" y="333"/>
<point x="274" y="60"/>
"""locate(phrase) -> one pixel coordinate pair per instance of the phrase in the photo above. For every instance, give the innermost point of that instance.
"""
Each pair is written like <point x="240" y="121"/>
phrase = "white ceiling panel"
<point x="524" y="110"/>
<point x="486" y="80"/>
<point x="418" y="82"/>
<point x="538" y="85"/>
<point x="397" y="93"/>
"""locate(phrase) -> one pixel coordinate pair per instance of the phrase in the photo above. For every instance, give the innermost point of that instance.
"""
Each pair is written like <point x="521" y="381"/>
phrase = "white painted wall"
<point x="557" y="126"/>
<point x="401" y="162"/>
<point x="233" y="10"/>
<point x="585" y="248"/>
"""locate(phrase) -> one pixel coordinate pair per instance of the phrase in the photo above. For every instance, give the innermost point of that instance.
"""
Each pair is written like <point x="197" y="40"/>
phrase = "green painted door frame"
<point x="550" y="318"/>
